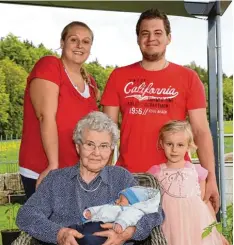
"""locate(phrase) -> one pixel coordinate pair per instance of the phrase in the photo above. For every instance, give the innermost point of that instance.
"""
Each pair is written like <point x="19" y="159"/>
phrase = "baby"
<point x="128" y="209"/>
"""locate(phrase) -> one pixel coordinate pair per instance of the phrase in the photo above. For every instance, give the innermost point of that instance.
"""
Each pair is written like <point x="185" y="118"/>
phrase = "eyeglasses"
<point x="90" y="146"/>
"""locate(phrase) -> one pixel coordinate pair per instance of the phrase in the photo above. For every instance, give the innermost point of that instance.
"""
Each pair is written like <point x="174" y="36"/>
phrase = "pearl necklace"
<point x="82" y="187"/>
<point x="74" y="85"/>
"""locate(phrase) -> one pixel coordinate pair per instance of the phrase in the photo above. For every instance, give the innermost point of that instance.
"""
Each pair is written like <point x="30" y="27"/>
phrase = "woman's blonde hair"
<point x="72" y="24"/>
<point x="175" y="126"/>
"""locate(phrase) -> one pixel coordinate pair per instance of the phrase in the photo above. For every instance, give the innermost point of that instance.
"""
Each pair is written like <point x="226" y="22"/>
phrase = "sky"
<point x="114" y="33"/>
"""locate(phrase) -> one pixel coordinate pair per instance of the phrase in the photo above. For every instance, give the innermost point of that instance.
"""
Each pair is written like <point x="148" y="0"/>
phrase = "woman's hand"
<point x="43" y="175"/>
<point x="113" y="237"/>
<point x="66" y="236"/>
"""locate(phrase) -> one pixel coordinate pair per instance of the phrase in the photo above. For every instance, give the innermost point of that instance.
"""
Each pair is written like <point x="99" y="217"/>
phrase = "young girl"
<point x="182" y="187"/>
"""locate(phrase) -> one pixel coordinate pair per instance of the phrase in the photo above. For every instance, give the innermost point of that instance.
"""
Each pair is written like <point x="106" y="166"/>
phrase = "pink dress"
<point x="186" y="215"/>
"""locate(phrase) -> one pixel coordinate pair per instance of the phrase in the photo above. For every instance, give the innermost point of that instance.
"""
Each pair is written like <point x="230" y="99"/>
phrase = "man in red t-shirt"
<point x="151" y="92"/>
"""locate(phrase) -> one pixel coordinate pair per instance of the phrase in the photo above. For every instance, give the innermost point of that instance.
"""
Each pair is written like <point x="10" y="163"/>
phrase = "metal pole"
<point x="212" y="91"/>
<point x="220" y="113"/>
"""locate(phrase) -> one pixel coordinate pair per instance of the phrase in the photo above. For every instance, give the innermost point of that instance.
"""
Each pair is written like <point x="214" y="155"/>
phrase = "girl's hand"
<point x="66" y="236"/>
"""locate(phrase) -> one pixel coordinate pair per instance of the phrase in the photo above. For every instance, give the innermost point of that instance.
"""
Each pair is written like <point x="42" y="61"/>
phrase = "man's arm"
<point x="112" y="112"/>
<point x="203" y="140"/>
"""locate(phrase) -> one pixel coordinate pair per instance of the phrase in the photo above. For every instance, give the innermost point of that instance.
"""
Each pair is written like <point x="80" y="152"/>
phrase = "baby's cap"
<point x="135" y="194"/>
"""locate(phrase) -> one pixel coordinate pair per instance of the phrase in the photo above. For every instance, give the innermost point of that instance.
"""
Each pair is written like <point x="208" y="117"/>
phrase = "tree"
<point x="227" y="89"/>
<point x="4" y="102"/>
<point x="15" y="80"/>
<point x="228" y="99"/>
<point x="99" y="73"/>
<point x="23" y="53"/>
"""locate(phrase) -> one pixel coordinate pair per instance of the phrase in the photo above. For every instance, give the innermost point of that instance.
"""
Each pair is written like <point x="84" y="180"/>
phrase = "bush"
<point x="227" y="231"/>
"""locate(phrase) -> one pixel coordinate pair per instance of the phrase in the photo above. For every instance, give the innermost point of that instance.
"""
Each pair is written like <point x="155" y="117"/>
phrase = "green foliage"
<point x="227" y="89"/>
<point x="227" y="231"/>
<point x="15" y="78"/>
<point x="99" y="73"/>
<point x="228" y="98"/>
<point x="209" y="229"/>
<point x="24" y="54"/>
<point x="10" y="214"/>
<point x="16" y="61"/>
<point x="4" y="100"/>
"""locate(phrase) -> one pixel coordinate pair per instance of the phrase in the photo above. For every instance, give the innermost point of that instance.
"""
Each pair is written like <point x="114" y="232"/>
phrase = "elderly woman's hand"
<point x="113" y="237"/>
<point x="66" y="236"/>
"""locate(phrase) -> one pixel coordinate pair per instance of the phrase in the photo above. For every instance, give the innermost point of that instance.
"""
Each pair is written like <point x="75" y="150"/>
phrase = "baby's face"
<point x="122" y="201"/>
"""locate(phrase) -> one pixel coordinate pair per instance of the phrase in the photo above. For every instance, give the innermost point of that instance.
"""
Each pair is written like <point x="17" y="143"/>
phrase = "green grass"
<point x="9" y="168"/>
<point x="228" y="142"/>
<point x="228" y="127"/>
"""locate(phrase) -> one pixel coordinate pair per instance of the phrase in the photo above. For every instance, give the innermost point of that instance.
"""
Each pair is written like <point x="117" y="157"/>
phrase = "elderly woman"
<point x="65" y="193"/>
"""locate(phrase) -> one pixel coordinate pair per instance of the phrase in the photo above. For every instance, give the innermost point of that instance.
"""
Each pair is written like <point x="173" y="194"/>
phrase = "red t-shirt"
<point x="71" y="108"/>
<point x="147" y="100"/>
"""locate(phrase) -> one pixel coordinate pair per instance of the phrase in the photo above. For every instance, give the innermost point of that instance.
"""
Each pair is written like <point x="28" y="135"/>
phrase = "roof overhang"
<point x="178" y="8"/>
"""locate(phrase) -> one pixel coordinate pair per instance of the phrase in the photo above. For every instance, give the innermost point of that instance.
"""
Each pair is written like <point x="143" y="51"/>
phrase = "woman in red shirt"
<point x="58" y="93"/>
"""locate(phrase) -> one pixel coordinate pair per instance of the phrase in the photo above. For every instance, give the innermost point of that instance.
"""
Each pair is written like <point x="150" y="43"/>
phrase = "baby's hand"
<point x="118" y="228"/>
<point x="87" y="214"/>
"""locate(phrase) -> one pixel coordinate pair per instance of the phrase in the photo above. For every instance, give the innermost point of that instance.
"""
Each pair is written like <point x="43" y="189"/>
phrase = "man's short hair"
<point x="154" y="14"/>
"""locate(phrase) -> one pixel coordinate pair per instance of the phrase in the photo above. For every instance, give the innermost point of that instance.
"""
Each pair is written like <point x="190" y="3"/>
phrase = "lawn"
<point x="228" y="141"/>
<point x="228" y="127"/>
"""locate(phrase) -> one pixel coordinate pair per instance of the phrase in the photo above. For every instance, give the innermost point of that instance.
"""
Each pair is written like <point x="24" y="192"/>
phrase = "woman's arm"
<point x="44" y="97"/>
<point x="33" y="216"/>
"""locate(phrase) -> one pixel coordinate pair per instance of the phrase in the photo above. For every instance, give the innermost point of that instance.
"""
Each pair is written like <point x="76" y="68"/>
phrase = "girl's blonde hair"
<point x="175" y="126"/>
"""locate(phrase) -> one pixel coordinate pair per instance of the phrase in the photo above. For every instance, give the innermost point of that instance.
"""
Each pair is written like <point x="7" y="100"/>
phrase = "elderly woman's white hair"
<point x="96" y="121"/>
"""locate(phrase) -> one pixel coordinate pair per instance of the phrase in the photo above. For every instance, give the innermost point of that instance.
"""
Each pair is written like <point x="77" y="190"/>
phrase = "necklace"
<point x="85" y="93"/>
<point x="164" y="65"/>
<point x="82" y="187"/>
<point x="74" y="85"/>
